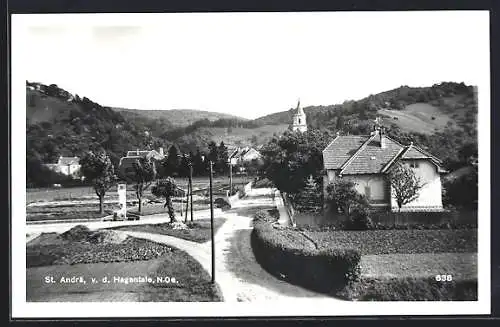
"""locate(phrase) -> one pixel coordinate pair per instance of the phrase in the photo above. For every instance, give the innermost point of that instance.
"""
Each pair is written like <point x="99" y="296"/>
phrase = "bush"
<point x="263" y="216"/>
<point x="359" y="219"/>
<point x="411" y="289"/>
<point x="288" y="254"/>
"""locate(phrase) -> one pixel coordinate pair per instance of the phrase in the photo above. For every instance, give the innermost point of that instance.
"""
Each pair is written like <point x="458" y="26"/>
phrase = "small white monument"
<point x="122" y="200"/>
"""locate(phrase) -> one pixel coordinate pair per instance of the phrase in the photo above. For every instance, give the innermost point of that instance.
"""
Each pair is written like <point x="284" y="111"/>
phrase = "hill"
<point x="412" y="109"/>
<point x="62" y="124"/>
<point x="176" y="117"/>
<point x="231" y="136"/>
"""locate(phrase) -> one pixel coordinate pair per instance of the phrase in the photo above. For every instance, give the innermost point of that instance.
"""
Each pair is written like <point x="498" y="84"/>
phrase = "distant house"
<point x="125" y="165"/>
<point x="238" y="156"/>
<point x="69" y="166"/>
<point x="366" y="160"/>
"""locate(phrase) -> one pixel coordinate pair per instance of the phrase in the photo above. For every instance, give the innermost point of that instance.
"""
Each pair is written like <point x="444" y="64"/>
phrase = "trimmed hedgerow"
<point x="410" y="289"/>
<point x="290" y="255"/>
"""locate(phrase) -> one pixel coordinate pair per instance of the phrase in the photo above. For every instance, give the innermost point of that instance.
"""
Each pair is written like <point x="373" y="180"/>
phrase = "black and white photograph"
<point x="250" y="164"/>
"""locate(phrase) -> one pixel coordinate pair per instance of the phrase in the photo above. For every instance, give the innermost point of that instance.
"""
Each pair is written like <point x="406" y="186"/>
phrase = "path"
<point x="237" y="272"/>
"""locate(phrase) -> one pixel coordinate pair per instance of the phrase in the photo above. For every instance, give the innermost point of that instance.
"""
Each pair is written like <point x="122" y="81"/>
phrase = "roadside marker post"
<point x="212" y="223"/>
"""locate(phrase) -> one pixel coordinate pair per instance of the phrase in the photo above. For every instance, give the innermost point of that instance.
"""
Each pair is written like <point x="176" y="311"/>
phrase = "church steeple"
<point x="299" y="119"/>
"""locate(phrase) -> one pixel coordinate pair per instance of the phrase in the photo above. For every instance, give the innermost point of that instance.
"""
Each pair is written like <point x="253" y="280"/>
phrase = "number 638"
<point x="444" y="278"/>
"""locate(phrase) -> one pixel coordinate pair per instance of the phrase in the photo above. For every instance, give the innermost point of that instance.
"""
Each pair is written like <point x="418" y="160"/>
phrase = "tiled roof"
<point x="341" y="149"/>
<point x="145" y="153"/>
<point x="137" y="153"/>
<point x="353" y="154"/>
<point x="68" y="161"/>
<point x="372" y="158"/>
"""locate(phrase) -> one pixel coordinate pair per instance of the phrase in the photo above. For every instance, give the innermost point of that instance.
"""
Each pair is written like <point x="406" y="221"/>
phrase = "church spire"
<point x="299" y="108"/>
<point x="299" y="119"/>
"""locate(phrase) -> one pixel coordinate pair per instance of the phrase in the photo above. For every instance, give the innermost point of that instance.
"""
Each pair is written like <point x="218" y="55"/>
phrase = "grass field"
<point x="82" y="203"/>
<point x="198" y="231"/>
<point x="244" y="135"/>
<point x="87" y="192"/>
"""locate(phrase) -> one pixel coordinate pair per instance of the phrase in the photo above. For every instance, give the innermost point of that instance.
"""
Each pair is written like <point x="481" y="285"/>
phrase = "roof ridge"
<point x="351" y="159"/>
<point x="336" y="137"/>
<point x="427" y="153"/>
<point x="400" y="153"/>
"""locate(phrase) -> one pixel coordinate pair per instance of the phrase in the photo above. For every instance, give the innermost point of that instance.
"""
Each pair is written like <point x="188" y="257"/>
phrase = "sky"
<point x="250" y="64"/>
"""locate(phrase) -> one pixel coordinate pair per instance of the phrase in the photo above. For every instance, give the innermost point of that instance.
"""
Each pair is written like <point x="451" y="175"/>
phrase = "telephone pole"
<point x="230" y="178"/>
<point x="212" y="223"/>
<point x="191" y="188"/>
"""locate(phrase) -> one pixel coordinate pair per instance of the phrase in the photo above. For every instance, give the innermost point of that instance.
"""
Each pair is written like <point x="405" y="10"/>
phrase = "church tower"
<point x="299" y="119"/>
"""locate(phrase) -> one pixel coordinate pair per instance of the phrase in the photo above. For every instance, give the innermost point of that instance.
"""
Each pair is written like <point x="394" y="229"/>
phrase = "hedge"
<point x="288" y="254"/>
<point x="411" y="289"/>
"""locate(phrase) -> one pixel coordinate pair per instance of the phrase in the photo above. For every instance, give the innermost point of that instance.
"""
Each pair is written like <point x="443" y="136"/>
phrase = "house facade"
<point x="69" y="166"/>
<point x="241" y="155"/>
<point x="126" y="164"/>
<point x="366" y="161"/>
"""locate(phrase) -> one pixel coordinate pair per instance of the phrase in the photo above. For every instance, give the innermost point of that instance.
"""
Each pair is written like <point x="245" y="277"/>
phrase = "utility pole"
<point x="212" y="223"/>
<point x="187" y="204"/>
<point x="230" y="178"/>
<point x="191" y="188"/>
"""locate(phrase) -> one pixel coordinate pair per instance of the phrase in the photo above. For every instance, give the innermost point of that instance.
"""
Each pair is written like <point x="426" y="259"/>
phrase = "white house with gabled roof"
<point x="366" y="160"/>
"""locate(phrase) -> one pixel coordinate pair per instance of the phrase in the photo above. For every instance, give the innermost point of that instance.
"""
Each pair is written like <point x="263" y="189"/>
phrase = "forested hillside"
<point x="61" y="124"/>
<point x="176" y="117"/>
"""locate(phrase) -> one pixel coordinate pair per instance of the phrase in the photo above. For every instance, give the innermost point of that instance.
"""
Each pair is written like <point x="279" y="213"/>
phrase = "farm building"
<point x="125" y="165"/>
<point x="366" y="160"/>
<point x="238" y="156"/>
<point x="68" y="166"/>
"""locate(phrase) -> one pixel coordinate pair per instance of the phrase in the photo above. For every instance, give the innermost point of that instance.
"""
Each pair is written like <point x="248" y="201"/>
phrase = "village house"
<point x="68" y="166"/>
<point x="238" y="157"/>
<point x="125" y="165"/>
<point x="366" y="160"/>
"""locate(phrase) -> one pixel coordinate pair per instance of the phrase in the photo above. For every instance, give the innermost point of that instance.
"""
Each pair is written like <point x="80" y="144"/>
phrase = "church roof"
<point x="300" y="111"/>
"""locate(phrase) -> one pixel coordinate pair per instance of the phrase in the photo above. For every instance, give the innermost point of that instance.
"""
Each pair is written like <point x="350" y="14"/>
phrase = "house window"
<point x="414" y="164"/>
<point x="368" y="192"/>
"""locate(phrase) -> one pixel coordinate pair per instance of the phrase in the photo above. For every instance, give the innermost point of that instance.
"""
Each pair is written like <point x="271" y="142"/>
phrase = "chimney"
<point x="381" y="137"/>
<point x="161" y="151"/>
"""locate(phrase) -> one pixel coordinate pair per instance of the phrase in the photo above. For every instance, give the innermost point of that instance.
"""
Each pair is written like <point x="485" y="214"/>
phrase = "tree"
<point x="290" y="159"/>
<point x="308" y="199"/>
<point x="173" y="161"/>
<point x="212" y="152"/>
<point x="166" y="188"/>
<point x="405" y="185"/>
<point x="98" y="169"/>
<point x="344" y="197"/>
<point x="222" y="158"/>
<point x="142" y="176"/>
<point x="199" y="167"/>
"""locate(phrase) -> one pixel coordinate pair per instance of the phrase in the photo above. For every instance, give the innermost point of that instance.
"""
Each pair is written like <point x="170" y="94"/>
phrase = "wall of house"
<point x="252" y="154"/>
<point x="430" y="195"/>
<point x="372" y="186"/>
<point x="73" y="169"/>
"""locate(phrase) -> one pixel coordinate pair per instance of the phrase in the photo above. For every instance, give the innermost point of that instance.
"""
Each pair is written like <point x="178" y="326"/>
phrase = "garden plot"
<point x="89" y="255"/>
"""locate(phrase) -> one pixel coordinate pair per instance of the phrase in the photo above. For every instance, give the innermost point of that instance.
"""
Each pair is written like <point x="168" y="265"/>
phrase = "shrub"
<point x="411" y="289"/>
<point x="359" y="219"/>
<point x="288" y="254"/>
<point x="263" y="216"/>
